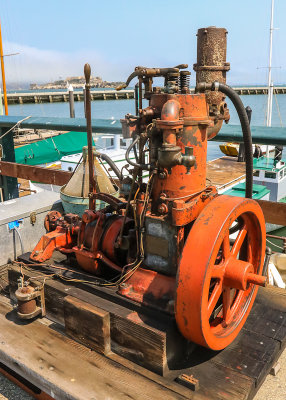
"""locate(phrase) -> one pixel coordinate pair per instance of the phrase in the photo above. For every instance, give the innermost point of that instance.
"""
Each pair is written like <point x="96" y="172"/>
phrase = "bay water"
<point x="116" y="109"/>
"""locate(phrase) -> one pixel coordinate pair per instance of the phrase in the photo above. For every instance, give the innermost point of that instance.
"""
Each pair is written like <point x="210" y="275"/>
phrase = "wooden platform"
<point x="224" y="171"/>
<point x="128" y="344"/>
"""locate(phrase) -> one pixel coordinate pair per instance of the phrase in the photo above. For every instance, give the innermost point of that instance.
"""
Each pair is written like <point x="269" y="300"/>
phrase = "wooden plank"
<point x="268" y="322"/>
<point x="134" y="340"/>
<point x="272" y="295"/>
<point x="217" y="382"/>
<point x="87" y="324"/>
<point x="274" y="213"/>
<point x="33" y="173"/>
<point x="224" y="170"/>
<point x="129" y="333"/>
<point x="69" y="371"/>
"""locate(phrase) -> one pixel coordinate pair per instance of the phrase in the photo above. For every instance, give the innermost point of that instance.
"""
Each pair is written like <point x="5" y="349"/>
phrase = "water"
<point x="118" y="108"/>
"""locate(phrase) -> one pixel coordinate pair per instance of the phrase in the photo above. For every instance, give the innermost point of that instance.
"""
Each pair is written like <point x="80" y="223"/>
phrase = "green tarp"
<point x="51" y="149"/>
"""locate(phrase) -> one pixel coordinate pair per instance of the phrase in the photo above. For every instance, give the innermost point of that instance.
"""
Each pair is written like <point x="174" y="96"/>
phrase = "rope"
<point x="273" y="244"/>
<point x="13" y="127"/>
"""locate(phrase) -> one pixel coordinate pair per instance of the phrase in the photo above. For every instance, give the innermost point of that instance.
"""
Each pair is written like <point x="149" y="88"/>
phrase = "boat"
<point x="232" y="149"/>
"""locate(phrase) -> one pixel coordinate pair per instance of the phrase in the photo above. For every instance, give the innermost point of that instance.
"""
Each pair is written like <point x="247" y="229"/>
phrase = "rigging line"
<point x="55" y="146"/>
<point x="13" y="127"/>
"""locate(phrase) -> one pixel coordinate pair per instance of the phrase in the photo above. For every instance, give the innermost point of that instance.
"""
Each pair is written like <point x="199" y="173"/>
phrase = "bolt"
<point x="162" y="208"/>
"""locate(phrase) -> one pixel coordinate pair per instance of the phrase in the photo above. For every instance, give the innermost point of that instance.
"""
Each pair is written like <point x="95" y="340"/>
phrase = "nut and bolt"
<point x="162" y="208"/>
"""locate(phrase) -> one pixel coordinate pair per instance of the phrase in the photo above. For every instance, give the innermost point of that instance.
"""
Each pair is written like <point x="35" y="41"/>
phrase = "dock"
<point x="57" y="97"/>
<point x="60" y="97"/>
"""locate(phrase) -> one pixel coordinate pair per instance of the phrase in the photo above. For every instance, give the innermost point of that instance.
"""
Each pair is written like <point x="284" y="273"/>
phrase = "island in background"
<point x="77" y="82"/>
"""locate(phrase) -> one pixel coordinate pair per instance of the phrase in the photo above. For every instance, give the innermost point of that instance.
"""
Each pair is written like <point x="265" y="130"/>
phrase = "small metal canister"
<point x="28" y="307"/>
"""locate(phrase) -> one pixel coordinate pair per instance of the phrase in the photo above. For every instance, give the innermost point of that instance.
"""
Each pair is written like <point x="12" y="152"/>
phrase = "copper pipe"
<point x="87" y="72"/>
<point x="3" y="74"/>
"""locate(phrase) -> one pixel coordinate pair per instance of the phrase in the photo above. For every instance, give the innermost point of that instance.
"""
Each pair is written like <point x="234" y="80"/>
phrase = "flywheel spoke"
<point x="238" y="241"/>
<point x="217" y="290"/>
<point x="226" y="246"/>
<point x="226" y="304"/>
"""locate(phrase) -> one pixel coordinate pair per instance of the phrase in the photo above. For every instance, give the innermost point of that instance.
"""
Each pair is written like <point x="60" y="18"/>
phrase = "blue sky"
<point x="56" y="37"/>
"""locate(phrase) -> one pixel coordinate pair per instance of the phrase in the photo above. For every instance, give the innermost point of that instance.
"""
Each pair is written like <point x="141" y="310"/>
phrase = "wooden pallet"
<point x="128" y="344"/>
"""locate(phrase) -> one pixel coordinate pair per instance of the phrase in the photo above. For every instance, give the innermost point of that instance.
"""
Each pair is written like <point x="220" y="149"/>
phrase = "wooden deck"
<point x="42" y="352"/>
<point x="224" y="171"/>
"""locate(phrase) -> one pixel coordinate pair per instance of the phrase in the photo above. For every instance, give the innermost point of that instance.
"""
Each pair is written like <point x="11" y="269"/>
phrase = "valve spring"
<point x="172" y="82"/>
<point x="184" y="81"/>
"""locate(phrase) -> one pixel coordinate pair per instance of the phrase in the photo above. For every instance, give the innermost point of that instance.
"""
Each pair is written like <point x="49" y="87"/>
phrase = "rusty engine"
<point x="170" y="241"/>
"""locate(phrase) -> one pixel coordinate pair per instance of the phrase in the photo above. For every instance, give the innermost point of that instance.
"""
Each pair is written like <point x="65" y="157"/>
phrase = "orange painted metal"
<point x="150" y="288"/>
<point x="215" y="289"/>
<point x="185" y="212"/>
<point x="58" y="239"/>
<point x="194" y="119"/>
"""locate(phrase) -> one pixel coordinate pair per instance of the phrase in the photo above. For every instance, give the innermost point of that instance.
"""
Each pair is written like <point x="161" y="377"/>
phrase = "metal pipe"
<point x="211" y="59"/>
<point x="87" y="73"/>
<point x="136" y="97"/>
<point x="3" y="74"/>
<point x="111" y="163"/>
<point x="140" y="166"/>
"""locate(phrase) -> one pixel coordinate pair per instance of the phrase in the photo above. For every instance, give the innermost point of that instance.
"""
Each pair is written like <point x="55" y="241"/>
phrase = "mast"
<point x="270" y="83"/>
<point x="3" y="74"/>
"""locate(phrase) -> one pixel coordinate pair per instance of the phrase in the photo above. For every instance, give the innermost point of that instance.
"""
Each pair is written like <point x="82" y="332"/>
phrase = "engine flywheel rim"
<point x="218" y="275"/>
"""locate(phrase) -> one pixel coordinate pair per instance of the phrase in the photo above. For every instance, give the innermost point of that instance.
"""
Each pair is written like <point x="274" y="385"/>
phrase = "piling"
<point x="71" y="101"/>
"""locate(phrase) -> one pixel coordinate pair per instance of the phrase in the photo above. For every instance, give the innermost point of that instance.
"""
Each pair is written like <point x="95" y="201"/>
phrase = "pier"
<point x="247" y="90"/>
<point x="56" y="97"/>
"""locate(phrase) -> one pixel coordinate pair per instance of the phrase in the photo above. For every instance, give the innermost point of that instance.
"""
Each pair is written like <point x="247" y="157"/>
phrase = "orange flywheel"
<point x="220" y="270"/>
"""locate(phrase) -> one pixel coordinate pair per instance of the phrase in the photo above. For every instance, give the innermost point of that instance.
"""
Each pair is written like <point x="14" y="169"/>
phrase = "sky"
<point x="55" y="38"/>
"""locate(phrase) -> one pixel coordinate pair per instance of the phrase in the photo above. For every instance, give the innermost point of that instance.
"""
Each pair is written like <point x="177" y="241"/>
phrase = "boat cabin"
<point x="271" y="174"/>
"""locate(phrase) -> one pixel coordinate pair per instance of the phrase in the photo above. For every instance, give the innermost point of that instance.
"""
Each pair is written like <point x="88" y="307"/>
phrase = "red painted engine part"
<point x="97" y="239"/>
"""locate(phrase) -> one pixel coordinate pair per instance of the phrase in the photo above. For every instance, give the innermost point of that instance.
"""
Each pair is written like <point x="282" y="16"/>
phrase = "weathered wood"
<point x="138" y="342"/>
<point x="66" y="370"/>
<point x="268" y="321"/>
<point x="272" y="296"/>
<point x="274" y="213"/>
<point x="224" y="170"/>
<point x="87" y="324"/>
<point x="129" y="334"/>
<point x="33" y="173"/>
<point x="234" y="373"/>
<point x="218" y="382"/>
